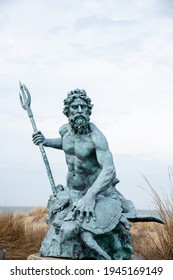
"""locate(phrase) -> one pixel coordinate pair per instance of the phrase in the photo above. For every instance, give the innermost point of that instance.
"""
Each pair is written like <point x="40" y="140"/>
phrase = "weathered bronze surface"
<point x="88" y="217"/>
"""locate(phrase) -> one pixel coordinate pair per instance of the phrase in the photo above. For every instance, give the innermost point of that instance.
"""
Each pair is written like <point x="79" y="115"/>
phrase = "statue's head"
<point x="78" y="107"/>
<point x="74" y="94"/>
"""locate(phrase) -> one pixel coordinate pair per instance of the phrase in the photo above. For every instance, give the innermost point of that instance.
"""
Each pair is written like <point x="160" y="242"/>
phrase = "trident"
<point x="25" y="99"/>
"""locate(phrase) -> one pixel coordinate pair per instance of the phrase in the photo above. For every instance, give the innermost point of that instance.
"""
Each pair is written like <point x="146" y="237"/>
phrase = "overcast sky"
<point x="121" y="53"/>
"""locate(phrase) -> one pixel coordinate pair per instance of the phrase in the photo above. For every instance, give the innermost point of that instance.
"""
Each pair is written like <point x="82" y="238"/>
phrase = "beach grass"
<point x="152" y="240"/>
<point x="21" y="233"/>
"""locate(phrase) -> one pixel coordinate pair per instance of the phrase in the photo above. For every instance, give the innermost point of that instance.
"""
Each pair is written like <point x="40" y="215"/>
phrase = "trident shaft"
<point x="25" y="99"/>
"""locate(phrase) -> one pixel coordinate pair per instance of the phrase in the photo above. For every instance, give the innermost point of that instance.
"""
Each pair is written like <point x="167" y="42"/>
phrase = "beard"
<point x="79" y="124"/>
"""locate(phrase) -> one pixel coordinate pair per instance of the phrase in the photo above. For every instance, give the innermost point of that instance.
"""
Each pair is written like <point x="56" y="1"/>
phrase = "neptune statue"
<point x="88" y="217"/>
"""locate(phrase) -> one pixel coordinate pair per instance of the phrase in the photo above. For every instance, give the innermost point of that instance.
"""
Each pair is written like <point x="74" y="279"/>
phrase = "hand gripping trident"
<point x="25" y="99"/>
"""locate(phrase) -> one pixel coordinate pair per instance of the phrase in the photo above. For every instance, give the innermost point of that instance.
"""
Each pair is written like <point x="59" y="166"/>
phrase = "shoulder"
<point x="98" y="138"/>
<point x="63" y="129"/>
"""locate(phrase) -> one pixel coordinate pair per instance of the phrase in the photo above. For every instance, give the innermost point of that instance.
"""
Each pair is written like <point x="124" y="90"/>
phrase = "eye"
<point x="83" y="106"/>
<point x="74" y="107"/>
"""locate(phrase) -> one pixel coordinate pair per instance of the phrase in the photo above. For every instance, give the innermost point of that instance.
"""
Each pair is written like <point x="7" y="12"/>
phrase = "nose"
<point x="79" y="109"/>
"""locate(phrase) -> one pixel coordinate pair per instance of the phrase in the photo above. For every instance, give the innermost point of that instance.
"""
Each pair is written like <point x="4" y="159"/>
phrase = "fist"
<point x="38" y="138"/>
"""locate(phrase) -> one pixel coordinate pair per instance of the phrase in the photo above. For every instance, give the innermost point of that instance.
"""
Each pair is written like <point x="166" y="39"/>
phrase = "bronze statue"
<point x="89" y="218"/>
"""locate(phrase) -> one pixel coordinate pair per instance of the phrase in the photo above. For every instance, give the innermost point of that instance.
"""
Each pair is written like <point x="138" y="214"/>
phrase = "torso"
<point x="83" y="168"/>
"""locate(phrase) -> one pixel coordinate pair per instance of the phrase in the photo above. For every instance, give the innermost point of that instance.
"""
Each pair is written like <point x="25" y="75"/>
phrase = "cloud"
<point x="100" y="23"/>
<point x="132" y="171"/>
<point x="119" y="51"/>
<point x="56" y="30"/>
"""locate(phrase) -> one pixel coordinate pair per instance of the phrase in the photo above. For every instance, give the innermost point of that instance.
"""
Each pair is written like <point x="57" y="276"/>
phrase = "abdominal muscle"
<point x="81" y="181"/>
<point x="78" y="184"/>
<point x="82" y="172"/>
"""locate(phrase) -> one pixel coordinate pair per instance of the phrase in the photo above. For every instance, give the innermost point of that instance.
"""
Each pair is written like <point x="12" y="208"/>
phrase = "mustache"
<point x="78" y="116"/>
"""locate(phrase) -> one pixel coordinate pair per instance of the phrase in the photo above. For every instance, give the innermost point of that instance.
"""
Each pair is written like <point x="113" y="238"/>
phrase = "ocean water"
<point x="153" y="213"/>
<point x="15" y="209"/>
<point x="25" y="209"/>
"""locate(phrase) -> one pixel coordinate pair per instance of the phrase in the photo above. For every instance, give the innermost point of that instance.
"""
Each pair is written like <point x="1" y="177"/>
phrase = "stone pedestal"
<point x="136" y="257"/>
<point x="37" y="256"/>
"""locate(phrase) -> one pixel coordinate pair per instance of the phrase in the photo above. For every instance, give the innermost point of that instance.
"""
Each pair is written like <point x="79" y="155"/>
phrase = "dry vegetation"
<point x="21" y="234"/>
<point x="152" y="240"/>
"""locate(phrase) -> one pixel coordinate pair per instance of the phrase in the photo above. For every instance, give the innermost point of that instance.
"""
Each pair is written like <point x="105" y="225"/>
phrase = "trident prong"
<point x="25" y="96"/>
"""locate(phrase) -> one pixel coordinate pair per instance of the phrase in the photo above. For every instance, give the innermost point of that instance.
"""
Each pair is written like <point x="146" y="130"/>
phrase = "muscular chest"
<point x="80" y="146"/>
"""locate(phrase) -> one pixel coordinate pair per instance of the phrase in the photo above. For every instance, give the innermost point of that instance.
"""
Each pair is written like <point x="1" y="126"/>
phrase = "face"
<point x="78" y="107"/>
<point x="78" y="114"/>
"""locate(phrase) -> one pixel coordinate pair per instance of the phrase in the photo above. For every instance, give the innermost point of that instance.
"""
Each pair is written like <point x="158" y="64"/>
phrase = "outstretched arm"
<point x="53" y="143"/>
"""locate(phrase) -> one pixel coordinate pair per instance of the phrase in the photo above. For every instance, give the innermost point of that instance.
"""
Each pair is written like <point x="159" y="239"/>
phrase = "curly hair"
<point x="77" y="93"/>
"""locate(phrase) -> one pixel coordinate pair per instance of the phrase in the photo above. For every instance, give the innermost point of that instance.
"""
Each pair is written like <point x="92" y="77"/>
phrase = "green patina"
<point x="88" y="217"/>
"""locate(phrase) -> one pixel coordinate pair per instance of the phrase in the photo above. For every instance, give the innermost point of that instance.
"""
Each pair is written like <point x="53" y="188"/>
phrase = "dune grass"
<point x="155" y="241"/>
<point x="21" y="234"/>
